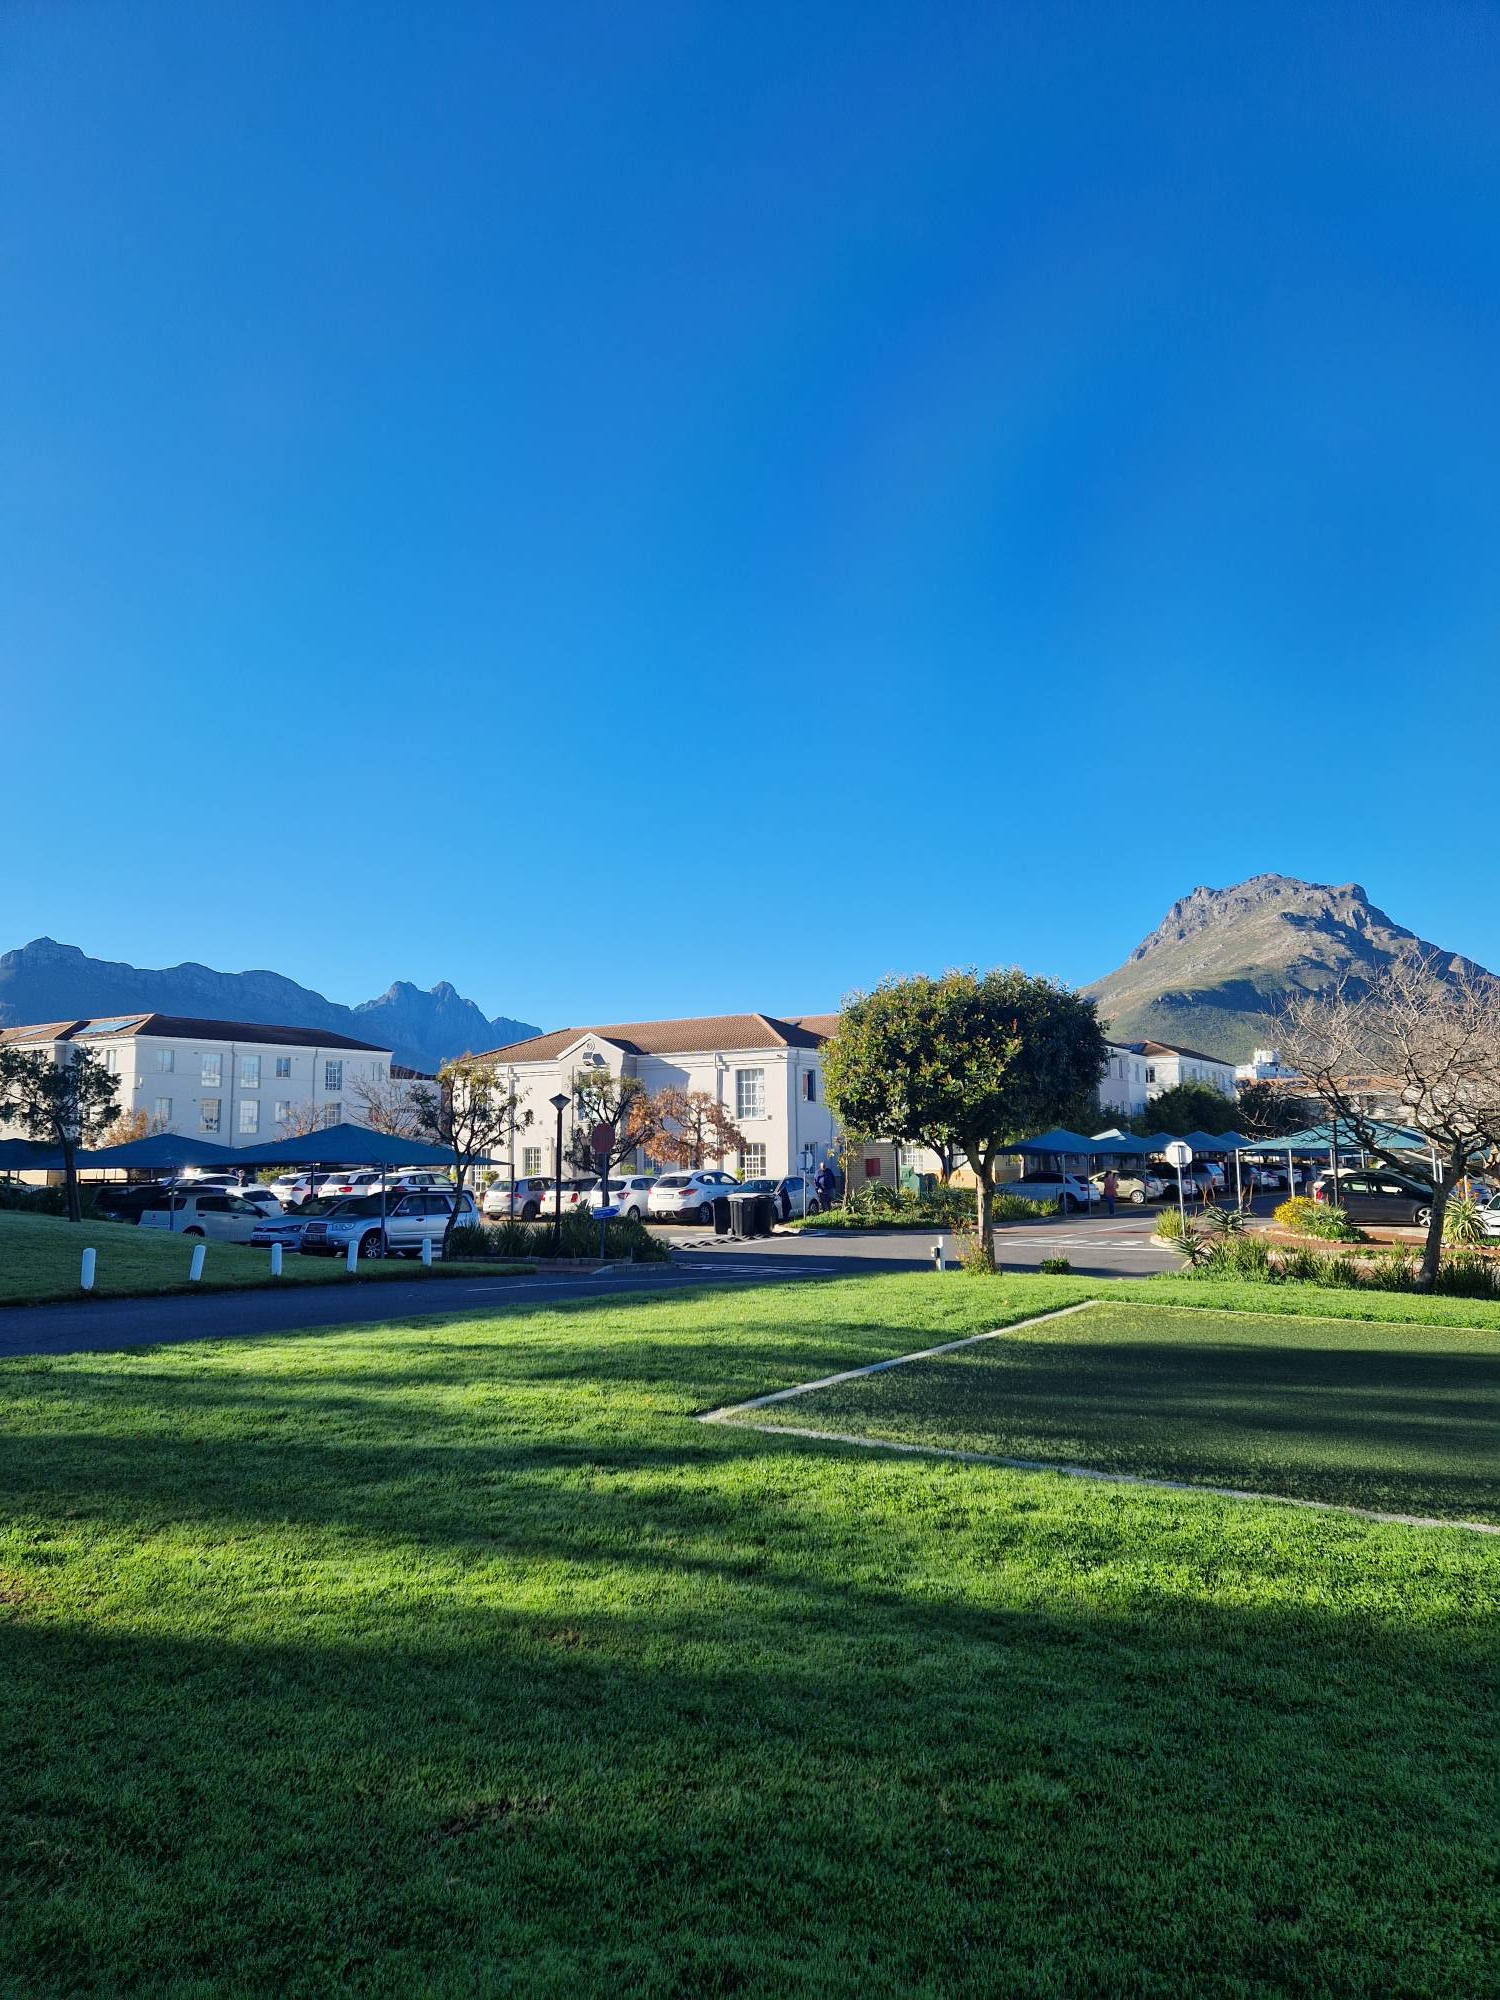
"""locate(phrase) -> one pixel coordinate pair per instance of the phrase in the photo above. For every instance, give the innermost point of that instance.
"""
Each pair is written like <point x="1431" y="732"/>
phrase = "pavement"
<point x="1096" y="1246"/>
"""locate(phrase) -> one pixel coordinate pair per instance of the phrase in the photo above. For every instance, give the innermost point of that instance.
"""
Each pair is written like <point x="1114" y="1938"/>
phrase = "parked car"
<point x="523" y="1198"/>
<point x="688" y="1197"/>
<point x="416" y="1178"/>
<point x="407" y="1220"/>
<point x="350" y="1181"/>
<point x="1137" y="1188"/>
<point x="1489" y="1216"/>
<point x="1374" y="1194"/>
<point x="124" y="1204"/>
<point x="1067" y="1190"/>
<point x="801" y="1197"/>
<point x="1273" y="1177"/>
<point x="264" y="1198"/>
<point x="292" y="1189"/>
<point x="575" y="1194"/>
<point x="629" y="1193"/>
<point x="220" y="1216"/>
<point x="287" y="1226"/>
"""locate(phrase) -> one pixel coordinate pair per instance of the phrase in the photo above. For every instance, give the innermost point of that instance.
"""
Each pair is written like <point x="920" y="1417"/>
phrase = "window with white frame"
<point x="249" y="1072"/>
<point x="333" y="1114"/>
<point x="283" y="1110"/>
<point x="210" y="1114"/>
<point x="166" y="1061"/>
<point x="333" y="1076"/>
<point x="250" y="1114"/>
<point x="283" y="1066"/>
<point x="212" y="1072"/>
<point x="531" y="1160"/>
<point x="749" y="1093"/>
<point x="810" y="1086"/>
<point x="112" y="1061"/>
<point x="753" y="1163"/>
<point x="161" y="1111"/>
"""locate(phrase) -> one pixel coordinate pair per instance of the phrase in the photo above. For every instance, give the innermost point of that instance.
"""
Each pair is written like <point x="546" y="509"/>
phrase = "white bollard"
<point x="353" y="1258"/>
<point x="939" y="1255"/>
<point x="275" y="1260"/>
<point x="427" y="1252"/>
<point x="195" y="1272"/>
<point x="86" y="1272"/>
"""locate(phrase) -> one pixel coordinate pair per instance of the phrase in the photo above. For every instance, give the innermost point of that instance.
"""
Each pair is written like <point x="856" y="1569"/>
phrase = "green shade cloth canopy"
<point x="1321" y="1139"/>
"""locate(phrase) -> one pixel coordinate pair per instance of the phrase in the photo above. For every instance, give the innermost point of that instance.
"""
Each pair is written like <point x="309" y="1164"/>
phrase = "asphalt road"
<point x="1096" y="1247"/>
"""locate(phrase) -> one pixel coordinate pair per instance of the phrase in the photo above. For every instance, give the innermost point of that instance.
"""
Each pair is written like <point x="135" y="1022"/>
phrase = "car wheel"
<point x="1067" y="1204"/>
<point x="1139" y="1198"/>
<point x="705" y="1213"/>
<point x="1423" y="1218"/>
<point x="632" y="1215"/>
<point x="370" y="1244"/>
<point x="192" y="1232"/>
<point x="528" y="1211"/>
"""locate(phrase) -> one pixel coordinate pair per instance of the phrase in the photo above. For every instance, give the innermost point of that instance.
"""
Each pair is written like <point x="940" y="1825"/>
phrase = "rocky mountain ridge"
<point x="48" y="981"/>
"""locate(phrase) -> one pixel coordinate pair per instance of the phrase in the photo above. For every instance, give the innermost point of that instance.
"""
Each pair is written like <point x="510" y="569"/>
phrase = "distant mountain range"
<point x="47" y="981"/>
<point x="1214" y="972"/>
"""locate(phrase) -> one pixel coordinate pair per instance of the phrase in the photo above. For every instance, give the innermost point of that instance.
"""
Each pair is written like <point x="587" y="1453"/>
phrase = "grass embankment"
<point x="455" y="1657"/>
<point x="40" y="1255"/>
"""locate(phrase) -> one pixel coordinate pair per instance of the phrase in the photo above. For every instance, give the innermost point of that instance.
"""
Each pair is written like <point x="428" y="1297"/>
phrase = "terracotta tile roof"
<point x="185" y="1028"/>
<point x="669" y="1038"/>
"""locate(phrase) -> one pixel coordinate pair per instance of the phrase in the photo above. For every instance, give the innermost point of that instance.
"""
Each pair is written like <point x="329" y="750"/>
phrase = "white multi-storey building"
<point x="1168" y="1065"/>
<point x="1124" y="1086"/>
<point x="766" y="1073"/>
<point x="237" y="1083"/>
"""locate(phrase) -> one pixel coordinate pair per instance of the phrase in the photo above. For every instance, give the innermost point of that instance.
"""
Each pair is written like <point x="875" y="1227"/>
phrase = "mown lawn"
<point x="456" y="1658"/>
<point x="1399" y="1419"/>
<point x="40" y="1255"/>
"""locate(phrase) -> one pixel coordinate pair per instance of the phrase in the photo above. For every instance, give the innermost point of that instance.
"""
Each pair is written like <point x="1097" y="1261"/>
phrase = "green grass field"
<point x="1398" y="1419"/>
<point x="39" y="1259"/>
<point x="457" y="1658"/>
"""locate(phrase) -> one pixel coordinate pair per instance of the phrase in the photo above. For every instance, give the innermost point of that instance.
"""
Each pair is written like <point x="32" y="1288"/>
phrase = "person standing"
<point x="823" y="1188"/>
<point x="1111" y="1189"/>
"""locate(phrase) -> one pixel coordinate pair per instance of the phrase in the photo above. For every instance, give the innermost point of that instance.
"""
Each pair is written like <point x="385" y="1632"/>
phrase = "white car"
<point x="348" y="1182"/>
<point x="525" y="1198"/>
<point x="1137" y="1188"/>
<point x="292" y="1189"/>
<point x="688" y="1197"/>
<point x="220" y="1216"/>
<point x="629" y="1193"/>
<point x="1067" y="1190"/>
<point x="263" y="1198"/>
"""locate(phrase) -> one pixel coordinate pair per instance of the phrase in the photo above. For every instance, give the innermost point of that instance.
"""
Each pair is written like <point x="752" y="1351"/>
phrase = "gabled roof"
<point x="668" y="1038"/>
<point x="184" y="1028"/>
<point x="1176" y="1049"/>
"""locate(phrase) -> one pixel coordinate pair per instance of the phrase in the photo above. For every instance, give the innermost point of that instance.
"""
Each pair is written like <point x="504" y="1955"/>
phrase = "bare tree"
<point x="386" y="1105"/>
<point x="467" y="1109"/>
<point x="300" y="1121"/>
<point x="1431" y="1033"/>
<point x="691" y="1127"/>
<point x="63" y="1101"/>
<point x="617" y="1106"/>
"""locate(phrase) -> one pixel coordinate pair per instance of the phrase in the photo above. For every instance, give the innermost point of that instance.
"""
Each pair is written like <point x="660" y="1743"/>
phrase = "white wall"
<point x="248" y="1110"/>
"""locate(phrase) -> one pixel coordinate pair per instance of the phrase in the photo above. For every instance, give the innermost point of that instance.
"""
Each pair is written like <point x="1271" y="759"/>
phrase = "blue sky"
<point x="652" y="509"/>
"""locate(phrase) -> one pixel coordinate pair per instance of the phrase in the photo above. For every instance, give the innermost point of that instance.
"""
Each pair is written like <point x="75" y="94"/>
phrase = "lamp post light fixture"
<point x="559" y="1105"/>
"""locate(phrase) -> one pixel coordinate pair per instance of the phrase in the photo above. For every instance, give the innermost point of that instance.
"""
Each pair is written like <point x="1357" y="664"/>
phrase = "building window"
<point x="333" y="1114"/>
<point x="166" y="1061"/>
<point x="249" y="1072"/>
<point x="209" y="1114"/>
<point x="250" y="1115"/>
<point x="810" y="1086"/>
<point x="283" y="1110"/>
<point x="161" y="1112"/>
<point x="112" y="1061"/>
<point x="749" y="1093"/>
<point x="753" y="1163"/>
<point x="1150" y="1073"/>
<point x="531" y="1160"/>
<point x="283" y="1066"/>
<point x="333" y="1076"/>
<point x="213" y="1071"/>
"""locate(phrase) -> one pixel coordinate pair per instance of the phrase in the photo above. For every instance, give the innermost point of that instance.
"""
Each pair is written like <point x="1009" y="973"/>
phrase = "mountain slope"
<point x="1215" y="970"/>
<point x="47" y="981"/>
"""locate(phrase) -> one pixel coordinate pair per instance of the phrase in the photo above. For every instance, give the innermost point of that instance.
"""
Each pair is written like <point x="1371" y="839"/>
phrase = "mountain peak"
<point x="1220" y="964"/>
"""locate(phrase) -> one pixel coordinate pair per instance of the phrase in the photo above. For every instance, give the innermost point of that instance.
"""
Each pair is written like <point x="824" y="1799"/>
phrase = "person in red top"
<point x="1111" y="1188"/>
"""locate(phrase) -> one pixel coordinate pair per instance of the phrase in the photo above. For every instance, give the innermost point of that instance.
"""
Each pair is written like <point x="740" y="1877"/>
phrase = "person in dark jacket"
<point x="824" y="1187"/>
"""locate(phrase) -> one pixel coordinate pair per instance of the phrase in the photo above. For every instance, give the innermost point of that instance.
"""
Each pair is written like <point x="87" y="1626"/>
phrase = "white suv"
<point x="629" y="1193"/>
<point x="688" y="1197"/>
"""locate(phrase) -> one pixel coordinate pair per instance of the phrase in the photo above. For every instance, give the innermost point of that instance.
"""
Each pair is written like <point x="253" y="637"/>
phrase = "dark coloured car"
<point x="1371" y="1194"/>
<point x="119" y="1203"/>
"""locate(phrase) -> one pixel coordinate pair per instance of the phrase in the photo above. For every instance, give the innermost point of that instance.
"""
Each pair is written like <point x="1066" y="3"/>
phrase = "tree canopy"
<point x="63" y="1102"/>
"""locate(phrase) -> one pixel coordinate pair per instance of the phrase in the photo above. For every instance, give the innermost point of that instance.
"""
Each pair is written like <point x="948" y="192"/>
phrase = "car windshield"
<point x="360" y="1204"/>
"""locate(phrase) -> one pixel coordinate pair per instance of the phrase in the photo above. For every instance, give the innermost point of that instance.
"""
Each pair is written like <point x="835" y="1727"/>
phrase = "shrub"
<point x="1170" y="1226"/>
<point x="1015" y="1208"/>
<point x="1396" y="1272"/>
<point x="1462" y="1224"/>
<point x="1294" y="1214"/>
<point x="470" y="1239"/>
<point x="1465" y="1274"/>
<point x="1299" y="1265"/>
<point x="1240" y="1256"/>
<point x="1341" y="1270"/>
<point x="1054" y="1267"/>
<point x="1318" y="1218"/>
<point x="1224" y="1222"/>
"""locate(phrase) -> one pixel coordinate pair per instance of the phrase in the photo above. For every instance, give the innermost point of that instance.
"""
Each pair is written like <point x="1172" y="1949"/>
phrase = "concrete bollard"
<point x="275" y="1260"/>
<point x="352" y="1261"/>
<point x="940" y="1255"/>
<point x="195" y="1270"/>
<point x="427" y="1253"/>
<point x="86" y="1272"/>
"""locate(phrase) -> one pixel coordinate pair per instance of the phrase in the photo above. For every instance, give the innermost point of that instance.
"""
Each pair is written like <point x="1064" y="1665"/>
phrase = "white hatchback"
<point x="629" y="1193"/>
<point x="688" y="1197"/>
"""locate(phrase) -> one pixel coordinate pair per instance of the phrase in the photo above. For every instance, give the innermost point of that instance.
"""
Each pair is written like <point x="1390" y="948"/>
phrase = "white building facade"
<point x="766" y="1074"/>
<point x="235" y="1083"/>
<point x="1167" y="1066"/>
<point x="1124" y="1086"/>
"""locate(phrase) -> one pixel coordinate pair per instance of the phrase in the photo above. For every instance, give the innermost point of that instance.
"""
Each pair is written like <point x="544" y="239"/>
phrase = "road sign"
<point x="1179" y="1154"/>
<point x="602" y="1138"/>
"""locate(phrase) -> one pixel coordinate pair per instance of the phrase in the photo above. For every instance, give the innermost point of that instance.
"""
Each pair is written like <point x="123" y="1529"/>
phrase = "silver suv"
<point x="408" y="1218"/>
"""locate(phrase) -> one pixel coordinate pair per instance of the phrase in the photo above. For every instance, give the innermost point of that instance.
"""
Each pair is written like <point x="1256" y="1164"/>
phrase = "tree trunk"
<point x="70" y="1181"/>
<point x="1432" y="1249"/>
<point x="984" y="1229"/>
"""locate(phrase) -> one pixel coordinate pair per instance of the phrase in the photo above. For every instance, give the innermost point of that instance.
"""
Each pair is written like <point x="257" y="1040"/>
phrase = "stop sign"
<point x="602" y="1138"/>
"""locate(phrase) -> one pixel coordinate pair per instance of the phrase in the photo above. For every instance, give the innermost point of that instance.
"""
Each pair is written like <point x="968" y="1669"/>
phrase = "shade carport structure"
<point x="350" y="1146"/>
<point x="1329" y="1141"/>
<point x="1062" y="1145"/>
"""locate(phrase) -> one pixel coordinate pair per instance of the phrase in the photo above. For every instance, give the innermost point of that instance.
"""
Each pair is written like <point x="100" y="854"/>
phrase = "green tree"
<point x="63" y="1101"/>
<point x="964" y="1062"/>
<point x="1191" y="1107"/>
<point x="617" y="1106"/>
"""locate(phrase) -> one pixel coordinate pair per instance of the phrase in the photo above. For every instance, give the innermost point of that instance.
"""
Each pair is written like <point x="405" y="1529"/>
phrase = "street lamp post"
<point x="559" y="1105"/>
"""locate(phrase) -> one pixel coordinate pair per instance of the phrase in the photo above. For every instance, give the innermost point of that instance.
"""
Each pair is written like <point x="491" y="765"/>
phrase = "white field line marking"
<point x="731" y="1410"/>
<point x="1110" y="1478"/>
